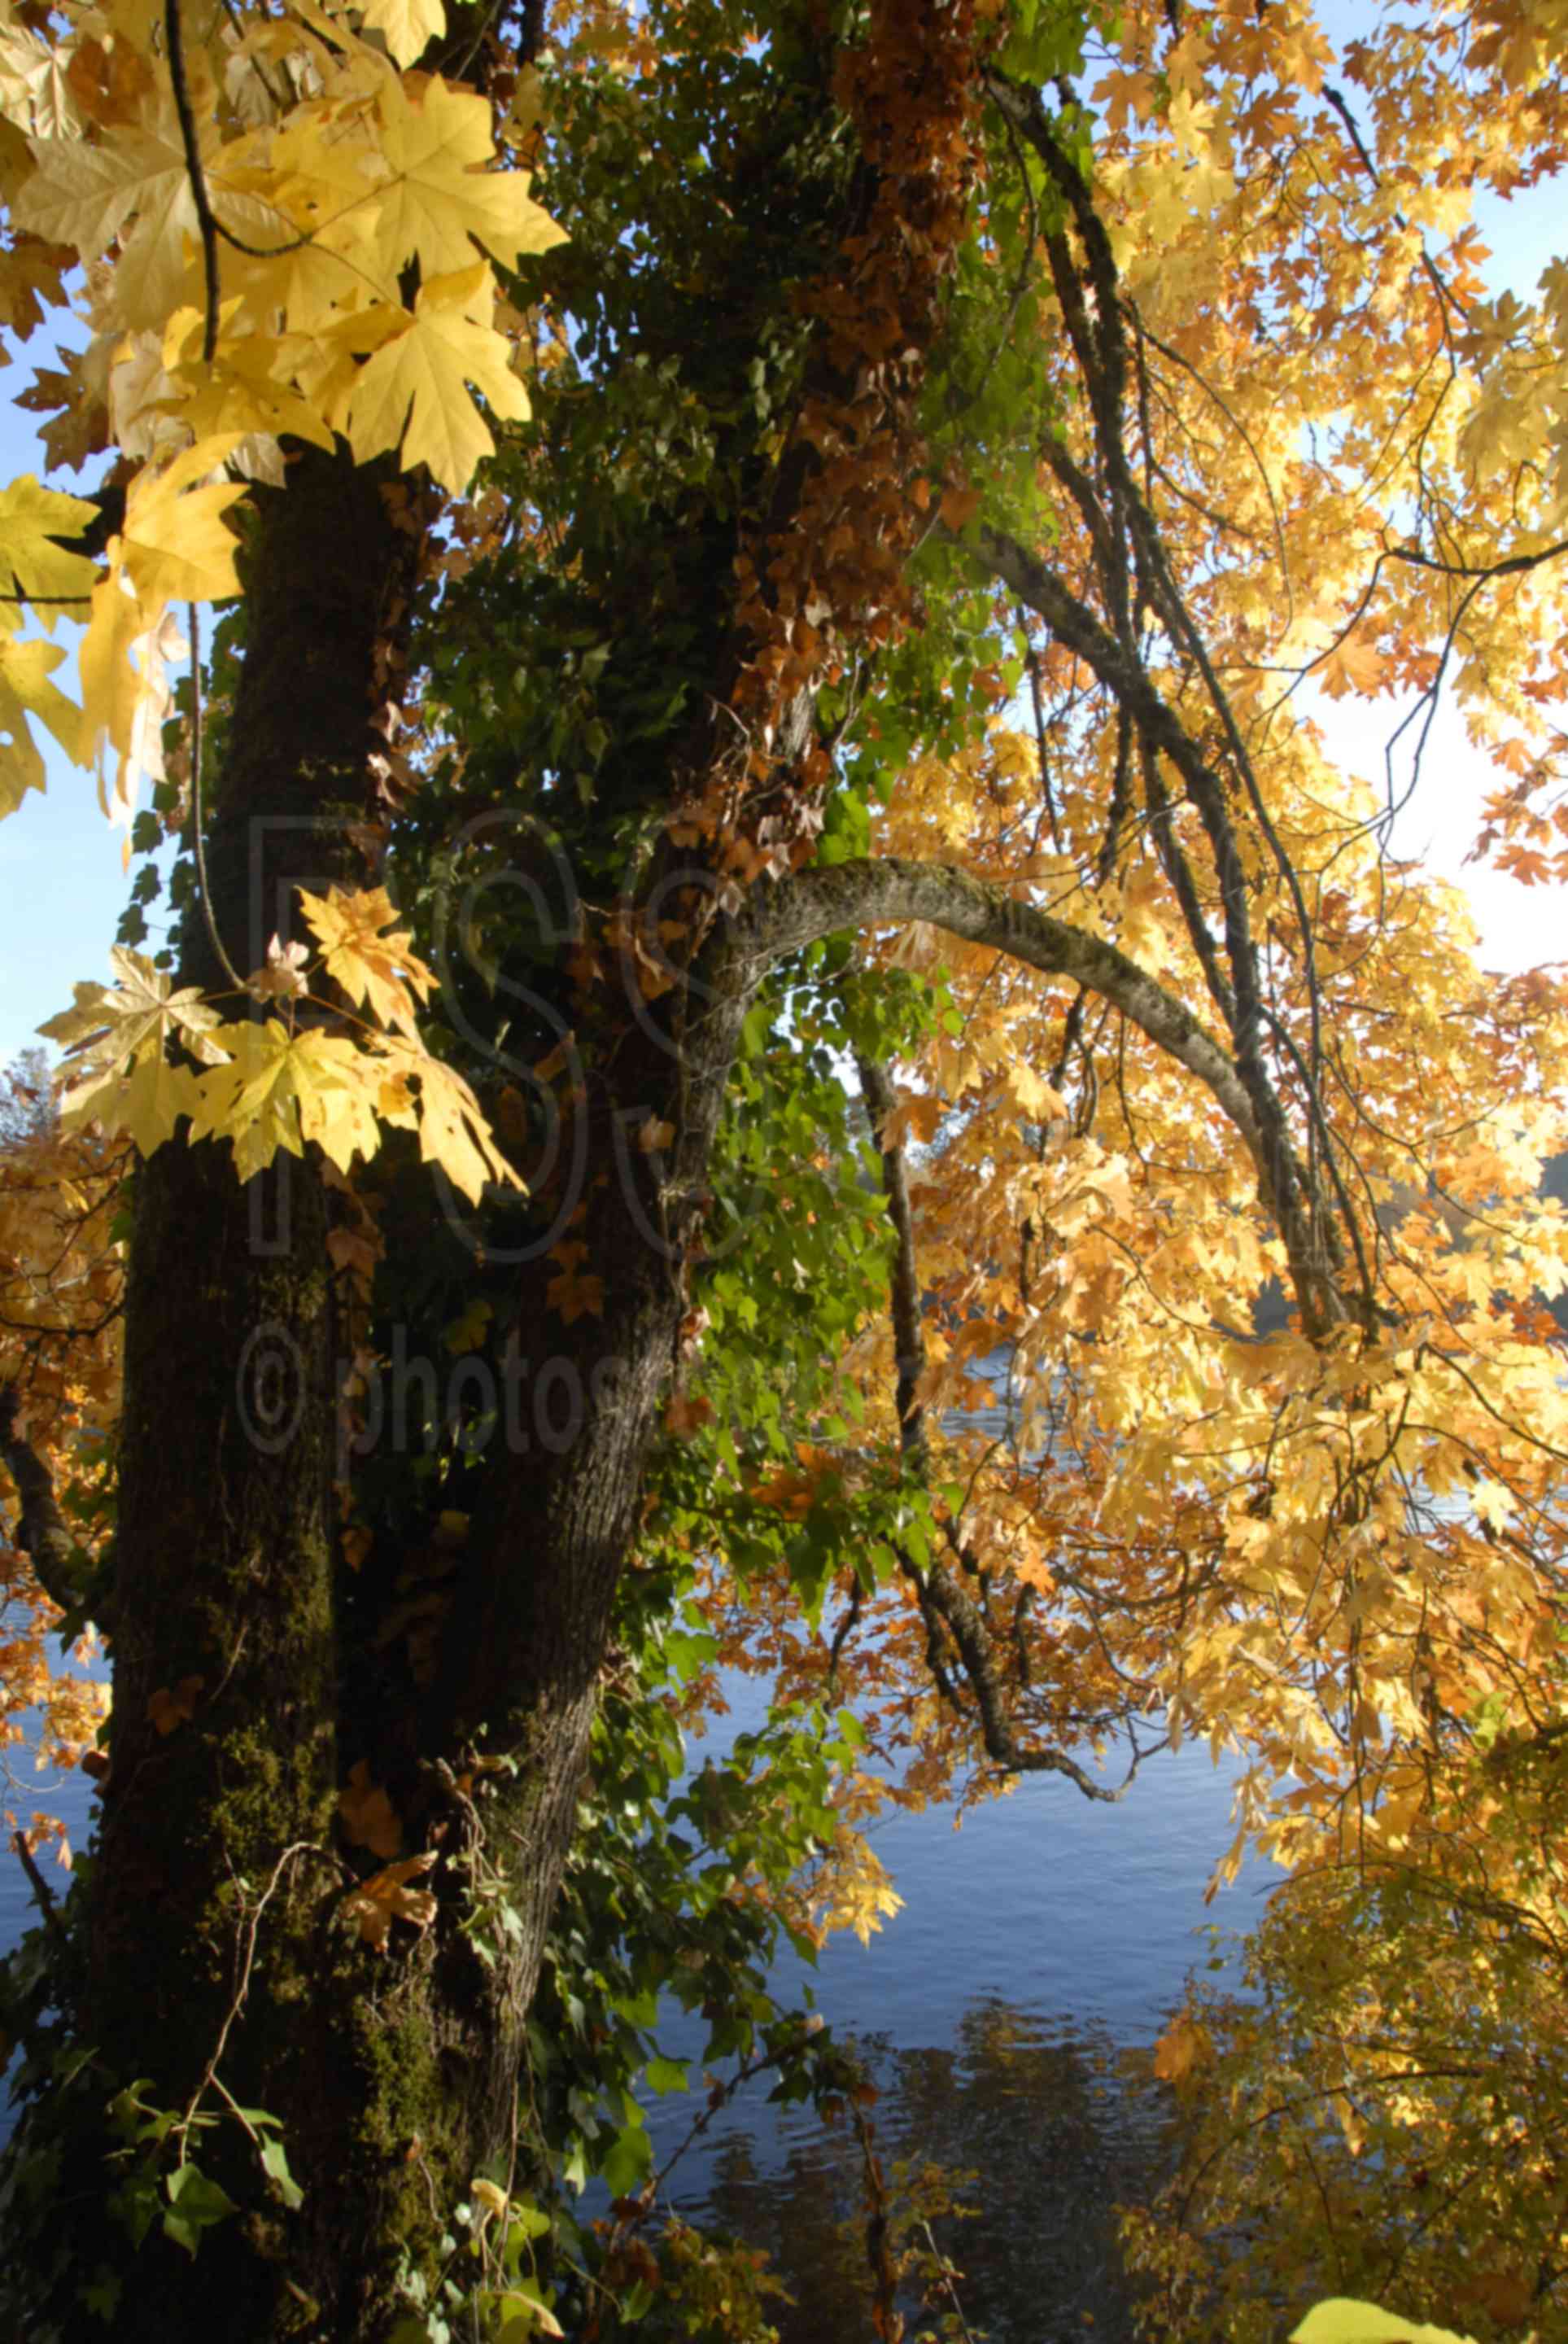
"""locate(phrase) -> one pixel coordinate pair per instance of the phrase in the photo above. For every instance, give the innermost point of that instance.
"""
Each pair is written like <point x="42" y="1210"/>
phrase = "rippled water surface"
<point x="1006" y="2014"/>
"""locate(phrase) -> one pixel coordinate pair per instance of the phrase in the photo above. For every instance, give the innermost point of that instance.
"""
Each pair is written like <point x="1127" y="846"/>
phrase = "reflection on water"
<point x="1049" y="2122"/>
<point x="1006" y="2015"/>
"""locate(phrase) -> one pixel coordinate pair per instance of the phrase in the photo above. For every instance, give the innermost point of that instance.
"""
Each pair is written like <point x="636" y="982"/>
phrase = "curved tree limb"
<point x="888" y="891"/>
<point x="1128" y="545"/>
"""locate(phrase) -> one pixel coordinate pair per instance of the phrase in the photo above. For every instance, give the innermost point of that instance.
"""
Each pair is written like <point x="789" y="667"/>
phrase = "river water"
<point x="1006" y="2015"/>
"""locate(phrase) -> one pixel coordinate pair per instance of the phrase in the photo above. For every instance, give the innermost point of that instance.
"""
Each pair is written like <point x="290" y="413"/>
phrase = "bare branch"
<point x="942" y="1599"/>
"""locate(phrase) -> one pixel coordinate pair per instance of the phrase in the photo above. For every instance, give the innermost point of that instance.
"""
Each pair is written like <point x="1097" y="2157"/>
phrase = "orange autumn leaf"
<point x="167" y="1710"/>
<point x="367" y="1813"/>
<point x="386" y="1897"/>
<point x="1354" y="664"/>
<point x="685" y="1414"/>
<point x="1185" y="2047"/>
<point x="574" y="1292"/>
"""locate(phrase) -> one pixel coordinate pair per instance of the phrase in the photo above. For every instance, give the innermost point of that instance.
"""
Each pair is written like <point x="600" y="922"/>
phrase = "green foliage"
<point x="70" y="2104"/>
<point x="674" y="1892"/>
<point x="653" y="441"/>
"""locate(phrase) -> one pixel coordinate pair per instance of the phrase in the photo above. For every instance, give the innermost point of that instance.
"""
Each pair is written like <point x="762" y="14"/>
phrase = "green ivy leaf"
<point x="630" y="2161"/>
<point x="274" y="2164"/>
<point x="195" y="2204"/>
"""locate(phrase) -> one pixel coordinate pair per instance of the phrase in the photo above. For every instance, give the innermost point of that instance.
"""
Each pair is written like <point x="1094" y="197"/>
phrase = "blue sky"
<point x="62" y="887"/>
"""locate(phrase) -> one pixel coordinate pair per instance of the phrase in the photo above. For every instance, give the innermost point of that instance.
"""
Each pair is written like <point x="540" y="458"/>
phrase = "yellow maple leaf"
<point x="854" y="1890"/>
<point x="1350" y="2125"/>
<point x="1035" y="1095"/>
<point x="334" y="266"/>
<point x="280" y="1090"/>
<point x="453" y="1132"/>
<point x="135" y="188"/>
<point x="111" y="683"/>
<point x="339" y="1103"/>
<point x="1494" y="1501"/>
<point x="34" y="566"/>
<point x="395" y="1101"/>
<point x="239" y="389"/>
<point x="152" y="653"/>
<point x="111" y="1025"/>
<point x="326" y="364"/>
<point x="420" y="377"/>
<point x="146" y="1099"/>
<point x="25" y="685"/>
<point x="407" y="26"/>
<point x="84" y="195"/>
<point x="172" y="544"/>
<point x="1354" y="664"/>
<point x="1341" y="2320"/>
<point x="435" y="143"/>
<point x="372" y="969"/>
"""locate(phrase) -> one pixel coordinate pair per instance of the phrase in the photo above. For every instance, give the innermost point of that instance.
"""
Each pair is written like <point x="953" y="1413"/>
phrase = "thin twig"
<point x="749" y="2069"/>
<point x="206" y="221"/>
<point x="940" y="1596"/>
<point x="209" y="2074"/>
<point x="944" y="2272"/>
<point x="214" y="938"/>
<point x="1447" y="298"/>
<point x="42" y="1894"/>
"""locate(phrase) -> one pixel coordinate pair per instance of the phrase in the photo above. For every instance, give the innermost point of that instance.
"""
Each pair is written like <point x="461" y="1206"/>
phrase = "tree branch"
<point x="1291" y="1194"/>
<point x="889" y="891"/>
<point x="941" y="1596"/>
<point x="40" y="1532"/>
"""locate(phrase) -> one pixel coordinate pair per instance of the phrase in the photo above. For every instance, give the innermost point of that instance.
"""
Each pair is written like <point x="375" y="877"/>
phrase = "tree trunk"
<point x="210" y="1967"/>
<point x="218" y="1970"/>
